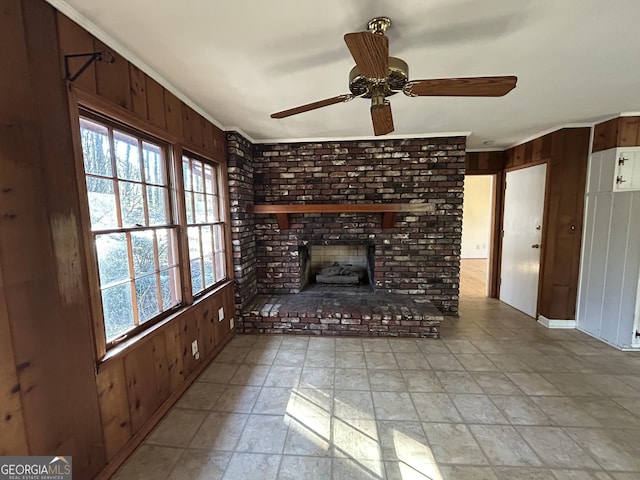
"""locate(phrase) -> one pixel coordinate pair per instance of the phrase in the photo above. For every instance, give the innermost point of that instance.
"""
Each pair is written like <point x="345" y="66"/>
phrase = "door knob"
<point x="535" y="245"/>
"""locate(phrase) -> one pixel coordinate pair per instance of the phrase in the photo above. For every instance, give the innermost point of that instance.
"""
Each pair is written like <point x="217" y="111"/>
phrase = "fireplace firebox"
<point x="343" y="265"/>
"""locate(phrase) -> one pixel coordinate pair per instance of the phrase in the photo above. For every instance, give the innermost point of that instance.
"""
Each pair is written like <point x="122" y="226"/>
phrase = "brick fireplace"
<point x="417" y="256"/>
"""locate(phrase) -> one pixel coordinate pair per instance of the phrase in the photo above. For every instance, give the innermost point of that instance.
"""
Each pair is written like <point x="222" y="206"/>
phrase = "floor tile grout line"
<point x="571" y="439"/>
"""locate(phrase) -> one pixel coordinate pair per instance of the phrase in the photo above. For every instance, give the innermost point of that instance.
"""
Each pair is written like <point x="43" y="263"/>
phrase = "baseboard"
<point x="551" y="323"/>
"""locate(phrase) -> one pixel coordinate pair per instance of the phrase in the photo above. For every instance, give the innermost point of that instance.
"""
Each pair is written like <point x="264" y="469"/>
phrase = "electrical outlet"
<point x="232" y="323"/>
<point x="194" y="349"/>
<point x="221" y="314"/>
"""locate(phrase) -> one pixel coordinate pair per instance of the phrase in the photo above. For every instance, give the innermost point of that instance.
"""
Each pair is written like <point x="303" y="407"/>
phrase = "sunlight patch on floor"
<point x="354" y="436"/>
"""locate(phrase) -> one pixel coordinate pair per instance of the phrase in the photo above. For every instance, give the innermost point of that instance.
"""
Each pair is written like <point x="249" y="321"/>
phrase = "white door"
<point x="523" y="210"/>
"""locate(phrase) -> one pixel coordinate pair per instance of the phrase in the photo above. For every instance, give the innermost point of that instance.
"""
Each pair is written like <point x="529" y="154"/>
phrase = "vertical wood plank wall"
<point x="617" y="132"/>
<point x="53" y="397"/>
<point x="42" y="267"/>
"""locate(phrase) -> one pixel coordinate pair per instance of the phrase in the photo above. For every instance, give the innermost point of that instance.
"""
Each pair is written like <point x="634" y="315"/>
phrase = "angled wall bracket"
<point x="105" y="56"/>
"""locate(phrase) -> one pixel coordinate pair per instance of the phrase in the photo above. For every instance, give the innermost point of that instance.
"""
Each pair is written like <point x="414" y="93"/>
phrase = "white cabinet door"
<point x="628" y="169"/>
<point x="521" y="243"/>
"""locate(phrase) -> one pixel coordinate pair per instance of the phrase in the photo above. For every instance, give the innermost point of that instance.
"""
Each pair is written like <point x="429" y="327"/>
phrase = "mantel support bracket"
<point x="104" y="56"/>
<point x="283" y="221"/>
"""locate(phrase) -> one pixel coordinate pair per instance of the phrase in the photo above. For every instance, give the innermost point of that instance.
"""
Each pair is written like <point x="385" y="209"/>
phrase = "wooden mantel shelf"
<point x="388" y="210"/>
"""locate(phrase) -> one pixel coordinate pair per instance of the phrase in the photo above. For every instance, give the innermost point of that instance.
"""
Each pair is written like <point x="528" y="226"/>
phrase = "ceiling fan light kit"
<point x="378" y="76"/>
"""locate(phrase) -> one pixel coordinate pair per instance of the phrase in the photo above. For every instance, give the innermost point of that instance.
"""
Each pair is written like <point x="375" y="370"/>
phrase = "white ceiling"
<point x="577" y="61"/>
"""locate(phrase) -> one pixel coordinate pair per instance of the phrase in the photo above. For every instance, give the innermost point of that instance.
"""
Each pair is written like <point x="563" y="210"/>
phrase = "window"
<point x="132" y="224"/>
<point x="205" y="227"/>
<point x="158" y="242"/>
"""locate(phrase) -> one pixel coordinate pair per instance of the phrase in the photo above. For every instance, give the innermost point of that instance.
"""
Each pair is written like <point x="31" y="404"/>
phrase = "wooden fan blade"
<point x="461" y="87"/>
<point x="382" y="119"/>
<point x="370" y="52"/>
<point x="312" y="106"/>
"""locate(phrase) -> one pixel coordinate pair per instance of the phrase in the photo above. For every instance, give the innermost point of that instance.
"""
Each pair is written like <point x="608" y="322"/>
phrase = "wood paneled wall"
<point x="617" y="132"/>
<point x="484" y="163"/>
<point x="564" y="220"/>
<point x="124" y="85"/>
<point x="566" y="153"/>
<point x="529" y="153"/>
<point x="135" y="389"/>
<point x="44" y="310"/>
<point x="54" y="398"/>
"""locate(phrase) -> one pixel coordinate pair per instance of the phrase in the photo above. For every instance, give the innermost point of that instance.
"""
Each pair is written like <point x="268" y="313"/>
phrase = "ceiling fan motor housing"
<point x="361" y="86"/>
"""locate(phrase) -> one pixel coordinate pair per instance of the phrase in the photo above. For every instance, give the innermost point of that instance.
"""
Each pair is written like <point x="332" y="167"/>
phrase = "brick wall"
<point x="420" y="255"/>
<point x="240" y="171"/>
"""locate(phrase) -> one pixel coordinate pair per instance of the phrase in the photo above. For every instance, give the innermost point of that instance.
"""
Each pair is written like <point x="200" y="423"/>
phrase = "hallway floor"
<point x="498" y="398"/>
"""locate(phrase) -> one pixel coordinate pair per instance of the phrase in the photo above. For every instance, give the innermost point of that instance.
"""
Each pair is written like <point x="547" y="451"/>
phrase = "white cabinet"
<point x="627" y="169"/>
<point x="610" y="266"/>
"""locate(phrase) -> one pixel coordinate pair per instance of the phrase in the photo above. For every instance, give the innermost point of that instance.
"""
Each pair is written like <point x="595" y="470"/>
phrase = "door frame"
<point x="495" y="228"/>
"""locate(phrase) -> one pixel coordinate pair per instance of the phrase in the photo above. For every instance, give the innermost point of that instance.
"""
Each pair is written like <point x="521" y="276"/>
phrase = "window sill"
<point x="126" y="346"/>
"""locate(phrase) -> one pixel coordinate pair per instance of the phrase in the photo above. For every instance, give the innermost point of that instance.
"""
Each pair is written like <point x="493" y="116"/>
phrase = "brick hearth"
<point x="323" y="311"/>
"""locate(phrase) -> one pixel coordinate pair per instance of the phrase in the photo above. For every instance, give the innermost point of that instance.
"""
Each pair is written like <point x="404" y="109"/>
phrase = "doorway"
<point x="477" y="219"/>
<point x="522" y="237"/>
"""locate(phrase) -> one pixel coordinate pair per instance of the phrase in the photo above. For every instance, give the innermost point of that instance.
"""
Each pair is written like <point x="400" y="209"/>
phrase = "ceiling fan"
<point x="377" y="76"/>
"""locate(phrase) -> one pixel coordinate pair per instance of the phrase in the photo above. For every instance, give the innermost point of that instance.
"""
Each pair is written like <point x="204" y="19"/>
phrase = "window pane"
<point x="220" y="266"/>
<point x="207" y="240"/>
<point x="167" y="248"/>
<point x="127" y="156"/>
<point x="212" y="208"/>
<point x="196" y="276"/>
<point x="132" y="204"/>
<point x="209" y="179"/>
<point x="154" y="171"/>
<point x="147" y="297"/>
<point x="158" y="205"/>
<point x="188" y="203"/>
<point x="170" y="286"/>
<point x="102" y="203"/>
<point x="186" y="173"/>
<point x="218" y="239"/>
<point x="198" y="181"/>
<point x="194" y="242"/>
<point x="113" y="260"/>
<point x="118" y="310"/>
<point x="143" y="255"/>
<point x="208" y="271"/>
<point x="201" y="216"/>
<point x="95" y="148"/>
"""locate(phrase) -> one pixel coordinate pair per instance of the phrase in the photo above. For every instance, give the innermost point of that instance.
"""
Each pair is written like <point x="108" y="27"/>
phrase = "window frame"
<point x="222" y="221"/>
<point x="84" y="103"/>
<point x="172" y="225"/>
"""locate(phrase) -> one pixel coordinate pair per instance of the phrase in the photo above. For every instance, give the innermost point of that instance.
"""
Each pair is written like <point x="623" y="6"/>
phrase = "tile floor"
<point x="499" y="397"/>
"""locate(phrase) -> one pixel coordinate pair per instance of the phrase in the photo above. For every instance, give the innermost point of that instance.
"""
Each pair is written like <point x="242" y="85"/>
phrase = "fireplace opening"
<point x="343" y="267"/>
